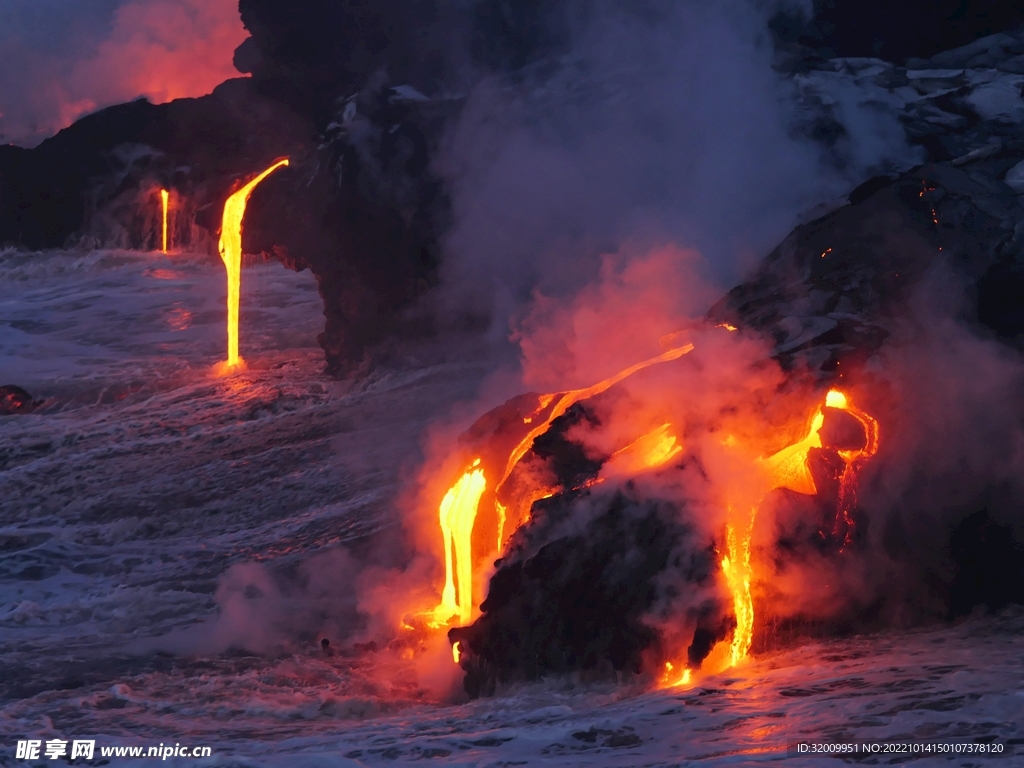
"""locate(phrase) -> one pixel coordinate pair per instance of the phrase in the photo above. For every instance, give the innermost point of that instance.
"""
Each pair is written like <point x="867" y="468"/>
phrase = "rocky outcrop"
<point x="358" y="205"/>
<point x="828" y="296"/>
<point x="14" y="399"/>
<point x="359" y="94"/>
<point x="572" y="591"/>
<point x="827" y="292"/>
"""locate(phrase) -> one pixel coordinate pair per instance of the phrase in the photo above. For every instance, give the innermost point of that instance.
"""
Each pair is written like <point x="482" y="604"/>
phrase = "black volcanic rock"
<point x="359" y="95"/>
<point x="14" y="399"/>
<point x="572" y="592"/>
<point x="895" y="31"/>
<point x="828" y="291"/>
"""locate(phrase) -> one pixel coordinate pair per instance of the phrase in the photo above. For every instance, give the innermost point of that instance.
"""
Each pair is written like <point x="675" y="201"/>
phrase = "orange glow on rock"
<point x="749" y="479"/>
<point x="788" y="469"/>
<point x="230" y="247"/>
<point x="650" y="451"/>
<point x="567" y="399"/>
<point x="459" y="507"/>
<point x="853" y="461"/>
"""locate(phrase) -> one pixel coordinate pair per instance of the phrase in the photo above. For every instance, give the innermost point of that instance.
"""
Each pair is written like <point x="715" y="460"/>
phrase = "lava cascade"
<point x="230" y="247"/>
<point x="785" y="469"/>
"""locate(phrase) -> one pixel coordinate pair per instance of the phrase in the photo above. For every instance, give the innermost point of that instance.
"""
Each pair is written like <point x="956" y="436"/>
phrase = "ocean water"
<point x="144" y="482"/>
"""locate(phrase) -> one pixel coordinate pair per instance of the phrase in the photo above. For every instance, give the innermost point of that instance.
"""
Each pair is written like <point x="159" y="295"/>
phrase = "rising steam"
<point x="69" y="59"/>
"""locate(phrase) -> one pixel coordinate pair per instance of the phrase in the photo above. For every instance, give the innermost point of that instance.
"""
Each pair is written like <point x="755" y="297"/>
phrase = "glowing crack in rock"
<point x="231" y="253"/>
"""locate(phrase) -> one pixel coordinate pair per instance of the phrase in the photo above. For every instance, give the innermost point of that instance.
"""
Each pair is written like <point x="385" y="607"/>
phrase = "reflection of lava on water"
<point x="531" y="465"/>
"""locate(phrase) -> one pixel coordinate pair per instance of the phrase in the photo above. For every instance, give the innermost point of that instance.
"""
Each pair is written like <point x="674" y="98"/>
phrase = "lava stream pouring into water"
<point x="231" y="253"/>
<point x="164" y="195"/>
<point x="458" y="510"/>
<point x="788" y="469"/>
<point x="458" y="513"/>
<point x="736" y="567"/>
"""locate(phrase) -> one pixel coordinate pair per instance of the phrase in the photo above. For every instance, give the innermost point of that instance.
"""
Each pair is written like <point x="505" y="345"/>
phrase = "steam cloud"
<point x="602" y="206"/>
<point x="665" y="123"/>
<point x="62" y="60"/>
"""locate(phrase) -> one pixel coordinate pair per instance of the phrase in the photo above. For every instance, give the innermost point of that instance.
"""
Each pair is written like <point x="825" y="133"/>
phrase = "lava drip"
<point x="230" y="247"/>
<point x="164" y="195"/>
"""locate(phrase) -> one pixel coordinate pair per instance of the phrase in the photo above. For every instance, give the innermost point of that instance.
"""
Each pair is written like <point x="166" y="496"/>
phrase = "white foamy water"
<point x="143" y="479"/>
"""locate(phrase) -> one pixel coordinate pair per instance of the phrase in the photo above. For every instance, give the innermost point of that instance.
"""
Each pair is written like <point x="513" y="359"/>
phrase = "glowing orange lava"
<point x="853" y="461"/>
<point x="231" y="253"/>
<point x="566" y="400"/>
<point x="737" y="575"/>
<point x="650" y="451"/>
<point x="788" y="469"/>
<point x="163" y="204"/>
<point x="458" y="510"/>
<point x="785" y="469"/>
<point x="673" y="679"/>
<point x="457" y="514"/>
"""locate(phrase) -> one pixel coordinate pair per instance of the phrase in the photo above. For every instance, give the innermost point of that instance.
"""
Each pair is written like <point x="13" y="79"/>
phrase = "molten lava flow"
<point x="853" y="461"/>
<point x="567" y="399"/>
<point x="458" y="513"/>
<point x="785" y="469"/>
<point x="671" y="679"/>
<point x="231" y="252"/>
<point x="788" y="469"/>
<point x="649" y="451"/>
<point x="737" y="575"/>
<point x="163" y="204"/>
<point x="458" y="509"/>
